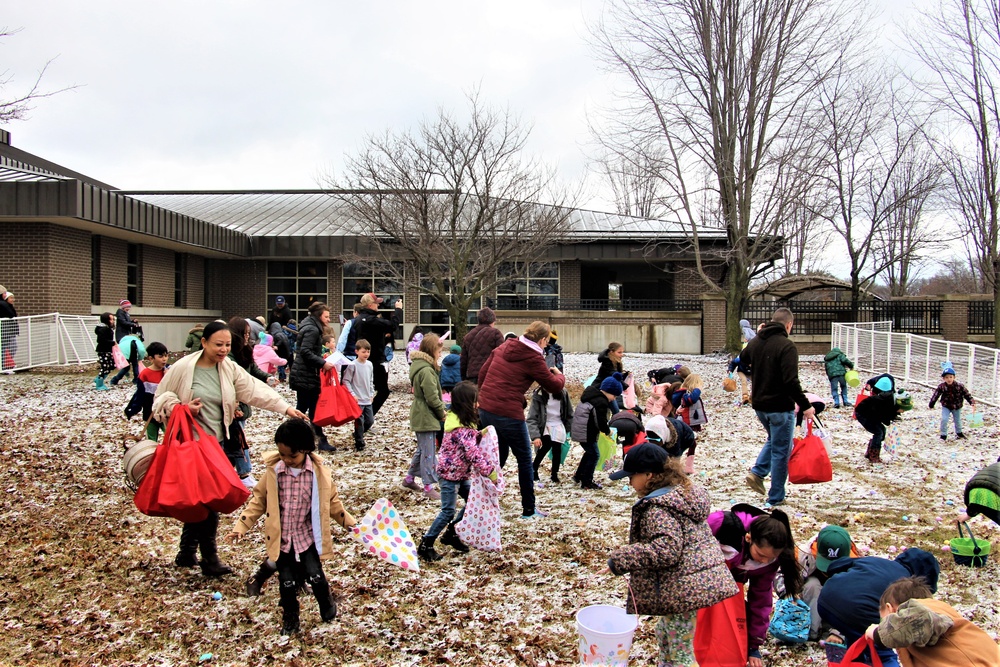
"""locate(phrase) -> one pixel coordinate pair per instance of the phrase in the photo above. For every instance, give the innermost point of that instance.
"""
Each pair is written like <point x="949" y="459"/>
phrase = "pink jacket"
<point x="658" y="402"/>
<point x="267" y="359"/>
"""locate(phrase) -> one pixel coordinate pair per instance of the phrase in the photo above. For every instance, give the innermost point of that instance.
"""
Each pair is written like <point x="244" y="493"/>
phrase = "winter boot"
<point x="451" y="538"/>
<point x="327" y="606"/>
<point x="99" y="384"/>
<point x="289" y="614"/>
<point x="426" y="550"/>
<point x="187" y="555"/>
<point x="256" y="583"/>
<point x="211" y="566"/>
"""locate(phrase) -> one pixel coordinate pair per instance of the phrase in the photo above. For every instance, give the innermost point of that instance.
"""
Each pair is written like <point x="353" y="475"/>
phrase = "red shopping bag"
<point x="335" y="406"/>
<point x="809" y="462"/>
<point x="720" y="633"/>
<point x="855" y="651"/>
<point x="188" y="477"/>
<point x="865" y="392"/>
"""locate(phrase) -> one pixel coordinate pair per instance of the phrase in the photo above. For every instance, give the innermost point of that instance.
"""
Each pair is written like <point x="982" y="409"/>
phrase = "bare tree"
<point x="967" y="196"/>
<point x="870" y="171"/>
<point x="455" y="201"/>
<point x="723" y="89"/>
<point x="635" y="182"/>
<point x="960" y="43"/>
<point x="17" y="106"/>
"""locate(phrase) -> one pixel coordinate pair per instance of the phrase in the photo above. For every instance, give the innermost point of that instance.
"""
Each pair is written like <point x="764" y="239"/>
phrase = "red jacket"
<point x="508" y="373"/>
<point x="476" y="347"/>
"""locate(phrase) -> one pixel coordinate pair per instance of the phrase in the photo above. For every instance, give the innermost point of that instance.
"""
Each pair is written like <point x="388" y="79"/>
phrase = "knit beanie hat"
<point x="124" y="303"/>
<point x="948" y="371"/>
<point x="613" y="384"/>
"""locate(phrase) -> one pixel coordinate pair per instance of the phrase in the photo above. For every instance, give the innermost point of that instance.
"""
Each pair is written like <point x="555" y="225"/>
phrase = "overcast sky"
<point x="219" y="94"/>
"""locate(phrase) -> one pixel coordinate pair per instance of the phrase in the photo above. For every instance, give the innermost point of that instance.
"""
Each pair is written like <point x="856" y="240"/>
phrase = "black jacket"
<point x="308" y="361"/>
<point x="599" y="424"/>
<point x="377" y="331"/>
<point x="124" y="326"/>
<point x="280" y="315"/>
<point x="773" y="363"/>
<point x="7" y="311"/>
<point x="607" y="369"/>
<point x="105" y="338"/>
<point x="881" y="408"/>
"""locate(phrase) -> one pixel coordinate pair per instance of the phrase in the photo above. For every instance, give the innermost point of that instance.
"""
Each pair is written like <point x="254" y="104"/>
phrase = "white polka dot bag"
<point x="480" y="526"/>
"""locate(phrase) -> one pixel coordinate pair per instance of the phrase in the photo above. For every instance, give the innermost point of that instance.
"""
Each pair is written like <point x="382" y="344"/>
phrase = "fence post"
<point x="955" y="317"/>
<point x="713" y="323"/>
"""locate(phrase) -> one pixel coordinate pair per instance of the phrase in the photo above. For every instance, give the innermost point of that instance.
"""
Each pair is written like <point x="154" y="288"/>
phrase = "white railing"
<point x="52" y="339"/>
<point x="912" y="359"/>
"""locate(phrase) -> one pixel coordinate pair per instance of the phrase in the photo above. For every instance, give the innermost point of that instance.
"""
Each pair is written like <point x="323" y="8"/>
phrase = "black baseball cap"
<point x="646" y="457"/>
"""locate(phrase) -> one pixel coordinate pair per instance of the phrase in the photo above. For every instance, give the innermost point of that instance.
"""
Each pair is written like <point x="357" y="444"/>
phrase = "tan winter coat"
<point x="237" y="386"/>
<point x="265" y="500"/>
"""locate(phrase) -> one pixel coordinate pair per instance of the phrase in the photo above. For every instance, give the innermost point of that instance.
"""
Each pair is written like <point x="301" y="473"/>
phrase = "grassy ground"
<point x="91" y="581"/>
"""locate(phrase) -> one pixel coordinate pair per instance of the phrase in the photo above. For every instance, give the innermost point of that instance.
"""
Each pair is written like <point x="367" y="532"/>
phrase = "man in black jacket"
<point x="378" y="331"/>
<point x="773" y="362"/>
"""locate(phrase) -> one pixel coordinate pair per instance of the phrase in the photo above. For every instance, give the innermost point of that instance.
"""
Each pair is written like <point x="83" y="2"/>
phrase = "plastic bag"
<point x="480" y="525"/>
<point x="809" y="462"/>
<point x="606" y="450"/>
<point x="335" y="405"/>
<point x="892" y="440"/>
<point x="790" y="621"/>
<point x="720" y="633"/>
<point x="382" y="531"/>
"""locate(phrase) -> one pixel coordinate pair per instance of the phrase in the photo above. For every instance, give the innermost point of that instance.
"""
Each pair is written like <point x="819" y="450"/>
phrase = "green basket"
<point x="968" y="551"/>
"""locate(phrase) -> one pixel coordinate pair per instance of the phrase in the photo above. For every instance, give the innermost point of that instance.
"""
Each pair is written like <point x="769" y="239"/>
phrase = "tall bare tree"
<point x="456" y="201"/>
<point x="17" y="105"/>
<point x="870" y="133"/>
<point x="723" y="89"/>
<point x="960" y="44"/>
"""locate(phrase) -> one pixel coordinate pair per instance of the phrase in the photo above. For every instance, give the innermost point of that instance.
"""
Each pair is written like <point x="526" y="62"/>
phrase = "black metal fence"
<point x="816" y="317"/>
<point x="981" y="318"/>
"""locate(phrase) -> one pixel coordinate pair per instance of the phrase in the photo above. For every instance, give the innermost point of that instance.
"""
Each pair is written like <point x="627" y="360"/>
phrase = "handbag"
<point x="851" y="655"/>
<point x="189" y="476"/>
<point x="892" y="438"/>
<point x="139" y="452"/>
<point x="480" y="524"/>
<point x="720" y="633"/>
<point x="628" y="395"/>
<point x="809" y="462"/>
<point x="335" y="405"/>
<point x="120" y="360"/>
<point x="967" y="551"/>
<point x="790" y="621"/>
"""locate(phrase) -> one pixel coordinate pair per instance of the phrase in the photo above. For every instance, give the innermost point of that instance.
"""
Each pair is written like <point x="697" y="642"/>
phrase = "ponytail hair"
<point x="775" y="531"/>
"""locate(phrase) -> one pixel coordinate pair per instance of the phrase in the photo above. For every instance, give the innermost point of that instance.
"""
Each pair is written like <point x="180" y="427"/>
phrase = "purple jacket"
<point x="460" y="454"/>
<point x="760" y="580"/>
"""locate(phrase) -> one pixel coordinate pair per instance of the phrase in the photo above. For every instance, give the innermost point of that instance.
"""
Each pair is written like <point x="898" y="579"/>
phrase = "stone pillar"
<point x="713" y="323"/>
<point x="955" y="318"/>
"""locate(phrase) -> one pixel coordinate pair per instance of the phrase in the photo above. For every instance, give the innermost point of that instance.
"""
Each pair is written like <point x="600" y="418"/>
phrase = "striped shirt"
<point x="295" y="506"/>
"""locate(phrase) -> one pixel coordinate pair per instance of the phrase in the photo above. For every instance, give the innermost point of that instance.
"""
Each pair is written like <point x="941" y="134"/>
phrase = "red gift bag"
<point x="335" y="406"/>
<point x="855" y="651"/>
<point x="188" y="477"/>
<point x="720" y="633"/>
<point x="809" y="462"/>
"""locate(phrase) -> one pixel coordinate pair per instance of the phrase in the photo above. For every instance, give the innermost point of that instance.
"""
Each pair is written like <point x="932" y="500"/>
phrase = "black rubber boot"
<point x="289" y="615"/>
<point x="327" y="607"/>
<point x="451" y="538"/>
<point x="256" y="583"/>
<point x="426" y="550"/>
<point x="211" y="566"/>
<point x="187" y="554"/>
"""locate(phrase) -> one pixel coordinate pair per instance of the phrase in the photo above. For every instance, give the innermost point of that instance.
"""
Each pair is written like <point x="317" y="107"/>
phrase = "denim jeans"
<point x="363" y="423"/>
<point x="773" y="457"/>
<point x="839" y="383"/>
<point x="512" y="435"/>
<point x="133" y="366"/>
<point x="450" y="491"/>
<point x="955" y="414"/>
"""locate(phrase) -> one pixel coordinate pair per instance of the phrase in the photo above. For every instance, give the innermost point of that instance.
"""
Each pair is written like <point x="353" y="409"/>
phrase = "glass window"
<point x="434" y="316"/>
<point x="132" y="274"/>
<point x="532" y="286"/>
<point x="95" y="270"/>
<point x="301" y="283"/>
<point x="377" y="277"/>
<point x="180" y="270"/>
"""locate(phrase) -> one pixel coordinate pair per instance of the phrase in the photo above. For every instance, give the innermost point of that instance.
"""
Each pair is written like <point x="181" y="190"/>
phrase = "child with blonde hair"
<point x="692" y="409"/>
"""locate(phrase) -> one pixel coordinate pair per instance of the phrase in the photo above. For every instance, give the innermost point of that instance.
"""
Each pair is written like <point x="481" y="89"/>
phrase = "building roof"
<point x="291" y="213"/>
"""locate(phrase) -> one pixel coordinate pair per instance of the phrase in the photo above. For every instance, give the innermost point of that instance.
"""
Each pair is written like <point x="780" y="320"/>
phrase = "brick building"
<point x="75" y="245"/>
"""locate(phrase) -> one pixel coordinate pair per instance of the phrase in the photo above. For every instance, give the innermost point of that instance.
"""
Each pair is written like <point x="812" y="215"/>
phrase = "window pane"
<point x="428" y="302"/>
<point x="434" y="317"/>
<point x="312" y="285"/>
<point x="544" y="270"/>
<point x="544" y="287"/>
<point x="387" y="286"/>
<point x="348" y="305"/>
<point x="312" y="269"/>
<point x="131" y="273"/>
<point x="280" y="287"/>
<point x="357" y="285"/>
<point x="354" y="270"/>
<point x="281" y="269"/>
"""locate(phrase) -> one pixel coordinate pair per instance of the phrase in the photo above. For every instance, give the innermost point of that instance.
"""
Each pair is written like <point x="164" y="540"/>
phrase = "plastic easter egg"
<point x="946" y="547"/>
<point x="892" y="550"/>
<point x="906" y="518"/>
<point x="949" y="502"/>
<point x="216" y="596"/>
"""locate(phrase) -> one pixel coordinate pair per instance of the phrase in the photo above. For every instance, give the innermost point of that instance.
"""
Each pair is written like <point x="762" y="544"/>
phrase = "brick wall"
<point x="688" y="284"/>
<point x="239" y="287"/>
<point x="194" y="282"/>
<point x="713" y="332"/>
<point x="114" y="254"/>
<point x="52" y="268"/>
<point x="955" y="319"/>
<point x="569" y="280"/>
<point x="157" y="283"/>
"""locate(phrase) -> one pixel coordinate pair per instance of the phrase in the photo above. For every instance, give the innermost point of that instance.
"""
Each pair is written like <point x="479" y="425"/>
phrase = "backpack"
<point x="582" y="417"/>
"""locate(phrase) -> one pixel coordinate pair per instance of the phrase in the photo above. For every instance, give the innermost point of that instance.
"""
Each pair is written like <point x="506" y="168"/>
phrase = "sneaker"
<point x="756" y="483"/>
<point x="555" y="479"/>
<point x="848" y="405"/>
<point x="591" y="485"/>
<point x="960" y="436"/>
<point x="768" y="505"/>
<point x="431" y="493"/>
<point x="412" y="485"/>
<point x="536" y="515"/>
<point x="325" y="446"/>
<point x="359" y="446"/>
<point x="944" y="437"/>
<point x="836" y="405"/>
<point x="249" y="482"/>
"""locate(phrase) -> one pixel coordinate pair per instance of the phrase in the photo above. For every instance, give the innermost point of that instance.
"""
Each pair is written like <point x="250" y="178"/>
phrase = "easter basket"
<point x="968" y="551"/>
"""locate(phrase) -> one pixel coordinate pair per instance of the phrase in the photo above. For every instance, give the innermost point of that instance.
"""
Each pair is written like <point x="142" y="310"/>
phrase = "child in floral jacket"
<point x="675" y="563"/>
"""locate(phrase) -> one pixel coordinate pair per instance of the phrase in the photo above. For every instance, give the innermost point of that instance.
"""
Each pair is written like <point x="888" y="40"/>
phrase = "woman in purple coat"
<point x="756" y="545"/>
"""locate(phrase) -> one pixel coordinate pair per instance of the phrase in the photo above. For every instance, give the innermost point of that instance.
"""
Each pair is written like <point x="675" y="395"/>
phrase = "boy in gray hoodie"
<point x="359" y="379"/>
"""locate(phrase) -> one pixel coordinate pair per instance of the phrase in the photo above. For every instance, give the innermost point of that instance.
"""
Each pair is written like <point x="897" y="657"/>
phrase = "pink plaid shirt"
<point x="295" y="506"/>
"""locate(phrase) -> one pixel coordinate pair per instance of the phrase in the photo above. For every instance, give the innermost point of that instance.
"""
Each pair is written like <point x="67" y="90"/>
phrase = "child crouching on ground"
<point x="692" y="408"/>
<point x="460" y="457"/>
<point x="549" y="420"/>
<point x="590" y="419"/>
<point x="675" y="563"/>
<point x="951" y="394"/>
<point x="297" y="494"/>
<point x="925" y="631"/>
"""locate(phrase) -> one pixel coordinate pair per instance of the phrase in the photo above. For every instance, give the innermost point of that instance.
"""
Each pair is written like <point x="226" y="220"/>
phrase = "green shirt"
<point x="207" y="386"/>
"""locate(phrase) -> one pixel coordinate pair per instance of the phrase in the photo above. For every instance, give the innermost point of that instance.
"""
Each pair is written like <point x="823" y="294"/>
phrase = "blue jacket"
<point x="451" y="371"/>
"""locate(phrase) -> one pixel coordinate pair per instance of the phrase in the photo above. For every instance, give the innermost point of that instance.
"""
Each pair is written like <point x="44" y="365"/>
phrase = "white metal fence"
<point x="873" y="347"/>
<point x="47" y="340"/>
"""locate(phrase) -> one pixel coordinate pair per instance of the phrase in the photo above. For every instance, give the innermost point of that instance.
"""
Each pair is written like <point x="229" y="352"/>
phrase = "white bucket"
<point x="605" y="635"/>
